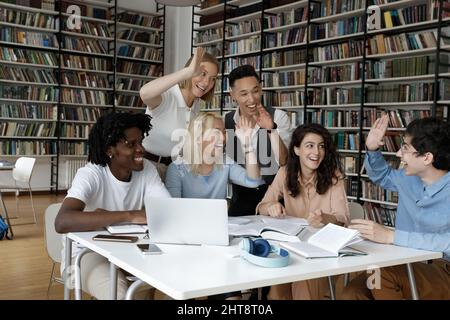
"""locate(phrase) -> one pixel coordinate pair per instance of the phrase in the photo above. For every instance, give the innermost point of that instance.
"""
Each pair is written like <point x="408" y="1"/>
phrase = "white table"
<point x="185" y="272"/>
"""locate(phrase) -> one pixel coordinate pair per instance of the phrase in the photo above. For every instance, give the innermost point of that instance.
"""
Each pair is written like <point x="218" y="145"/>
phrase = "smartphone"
<point x="108" y="237"/>
<point x="149" y="248"/>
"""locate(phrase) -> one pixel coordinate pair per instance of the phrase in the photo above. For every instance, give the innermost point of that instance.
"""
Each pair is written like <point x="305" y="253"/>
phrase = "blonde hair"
<point x="192" y="149"/>
<point x="187" y="84"/>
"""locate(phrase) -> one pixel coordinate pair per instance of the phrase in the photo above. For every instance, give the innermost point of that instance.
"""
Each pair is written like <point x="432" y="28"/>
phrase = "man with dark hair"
<point x="423" y="214"/>
<point x="269" y="138"/>
<point x="110" y="190"/>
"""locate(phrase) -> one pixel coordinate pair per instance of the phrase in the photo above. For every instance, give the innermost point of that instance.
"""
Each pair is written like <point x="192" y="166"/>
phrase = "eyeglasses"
<point x="404" y="148"/>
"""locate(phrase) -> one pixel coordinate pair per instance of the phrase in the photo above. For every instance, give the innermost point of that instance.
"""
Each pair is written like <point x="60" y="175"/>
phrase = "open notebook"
<point x="286" y="229"/>
<point x="330" y="241"/>
<point x="127" y="228"/>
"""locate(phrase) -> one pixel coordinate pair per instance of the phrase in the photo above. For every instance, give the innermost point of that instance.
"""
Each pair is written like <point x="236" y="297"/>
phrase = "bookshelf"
<point x="59" y="72"/>
<point x="324" y="65"/>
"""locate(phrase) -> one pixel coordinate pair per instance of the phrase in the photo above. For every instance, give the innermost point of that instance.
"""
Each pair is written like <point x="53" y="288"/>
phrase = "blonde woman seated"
<point x="311" y="186"/>
<point x="204" y="171"/>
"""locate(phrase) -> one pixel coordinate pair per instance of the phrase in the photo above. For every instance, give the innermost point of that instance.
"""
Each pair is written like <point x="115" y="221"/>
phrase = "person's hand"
<point x="263" y="118"/>
<point x="372" y="231"/>
<point x="194" y="66"/>
<point x="276" y="210"/>
<point x="244" y="132"/>
<point x="315" y="219"/>
<point x="374" y="139"/>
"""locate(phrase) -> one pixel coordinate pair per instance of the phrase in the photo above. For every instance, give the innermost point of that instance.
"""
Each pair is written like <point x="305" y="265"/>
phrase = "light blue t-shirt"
<point x="181" y="183"/>
<point x="423" y="214"/>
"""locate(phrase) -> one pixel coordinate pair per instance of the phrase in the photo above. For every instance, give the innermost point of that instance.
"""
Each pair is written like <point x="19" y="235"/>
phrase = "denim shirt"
<point x="423" y="214"/>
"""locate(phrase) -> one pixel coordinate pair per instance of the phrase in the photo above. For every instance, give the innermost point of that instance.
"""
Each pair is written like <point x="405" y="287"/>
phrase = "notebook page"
<point x="332" y="238"/>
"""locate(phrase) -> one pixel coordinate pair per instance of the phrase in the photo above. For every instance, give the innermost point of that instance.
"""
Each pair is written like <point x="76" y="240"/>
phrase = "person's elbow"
<point x="61" y="225"/>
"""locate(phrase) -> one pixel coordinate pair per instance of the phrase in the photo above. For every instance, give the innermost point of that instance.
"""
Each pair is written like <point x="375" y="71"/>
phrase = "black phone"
<point x="109" y="237"/>
<point x="147" y="248"/>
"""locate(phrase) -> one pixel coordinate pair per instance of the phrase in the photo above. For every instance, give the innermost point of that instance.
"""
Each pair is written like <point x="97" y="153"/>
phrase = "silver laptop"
<point x="187" y="221"/>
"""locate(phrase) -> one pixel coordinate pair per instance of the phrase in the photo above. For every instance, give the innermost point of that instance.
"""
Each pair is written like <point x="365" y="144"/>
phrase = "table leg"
<point x="66" y="275"/>
<point x="412" y="281"/>
<point x="113" y="277"/>
<point x="330" y="284"/>
<point x="78" y="273"/>
<point x="133" y="288"/>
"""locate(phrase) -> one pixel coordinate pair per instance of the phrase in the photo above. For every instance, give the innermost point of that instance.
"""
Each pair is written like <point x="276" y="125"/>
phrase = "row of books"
<point x="331" y="7"/>
<point x="73" y="148"/>
<point x="401" y="118"/>
<point x="381" y="44"/>
<point x="85" y="62"/>
<point x="384" y="215"/>
<point x="288" y="78"/>
<point x="141" y="53"/>
<point x="154" y="70"/>
<point x="27" y="75"/>
<point x="351" y="186"/>
<point x="28" y="56"/>
<point x="33" y="93"/>
<point x="284" y="58"/>
<point x="345" y="140"/>
<point x="85" y="45"/>
<point x="85" y="79"/>
<point x="129" y="101"/>
<point x="22" y="147"/>
<point x="286" y="18"/>
<point x="346" y="72"/>
<point x="374" y="192"/>
<point x="344" y="50"/>
<point x="30" y="19"/>
<point x="8" y="34"/>
<point x="139" y="36"/>
<point x="90" y="28"/>
<point x="140" y="19"/>
<point x="233" y="63"/>
<point x="434" y="4"/>
<point x="414" y="66"/>
<point x="28" y="111"/>
<point x="81" y="114"/>
<point x="130" y="84"/>
<point x="404" y="16"/>
<point x="337" y="28"/>
<point x="70" y="130"/>
<point x="83" y="96"/>
<point x="243" y="27"/>
<point x="252" y="43"/>
<point x="283" y="38"/>
<point x="209" y="35"/>
<point x="18" y="129"/>
<point x="400" y="92"/>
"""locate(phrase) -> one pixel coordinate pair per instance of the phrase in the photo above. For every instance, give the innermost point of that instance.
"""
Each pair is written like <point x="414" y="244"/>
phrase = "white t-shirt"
<point x="98" y="188"/>
<point x="170" y="115"/>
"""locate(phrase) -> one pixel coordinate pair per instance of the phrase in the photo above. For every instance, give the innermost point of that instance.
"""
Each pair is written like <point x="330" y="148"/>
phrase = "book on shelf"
<point x="127" y="228"/>
<point x="330" y="241"/>
<point x="286" y="229"/>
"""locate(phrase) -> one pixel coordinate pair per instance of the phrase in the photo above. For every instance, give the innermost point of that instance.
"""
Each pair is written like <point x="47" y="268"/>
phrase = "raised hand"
<point x="244" y="131"/>
<point x="263" y="118"/>
<point x="374" y="139"/>
<point x="194" y="66"/>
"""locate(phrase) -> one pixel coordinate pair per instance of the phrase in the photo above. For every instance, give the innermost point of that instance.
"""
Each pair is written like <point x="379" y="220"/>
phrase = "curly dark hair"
<point x="110" y="129"/>
<point x="328" y="170"/>
<point x="431" y="135"/>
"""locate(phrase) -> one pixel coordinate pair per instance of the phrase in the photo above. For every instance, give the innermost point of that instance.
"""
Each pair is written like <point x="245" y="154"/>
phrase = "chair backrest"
<point x="356" y="210"/>
<point x="53" y="240"/>
<point x="23" y="169"/>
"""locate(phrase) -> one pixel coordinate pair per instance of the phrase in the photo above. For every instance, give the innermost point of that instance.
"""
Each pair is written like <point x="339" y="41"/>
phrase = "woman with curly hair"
<point x="310" y="186"/>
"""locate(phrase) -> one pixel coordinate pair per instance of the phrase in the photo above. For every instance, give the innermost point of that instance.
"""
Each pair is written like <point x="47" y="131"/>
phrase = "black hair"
<point x="110" y="129"/>
<point x="329" y="170"/>
<point x="242" y="72"/>
<point x="431" y="135"/>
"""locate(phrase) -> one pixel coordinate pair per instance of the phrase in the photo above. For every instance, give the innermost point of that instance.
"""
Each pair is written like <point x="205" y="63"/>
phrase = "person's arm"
<point x="151" y="92"/>
<point x="244" y="134"/>
<point x="265" y="121"/>
<point x="173" y="181"/>
<point x="270" y="205"/>
<point x="439" y="242"/>
<point x="72" y="218"/>
<point x="378" y="170"/>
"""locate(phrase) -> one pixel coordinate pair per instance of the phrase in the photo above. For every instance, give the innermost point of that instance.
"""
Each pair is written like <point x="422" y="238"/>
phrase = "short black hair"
<point x="431" y="135"/>
<point x="110" y="129"/>
<point x="242" y="72"/>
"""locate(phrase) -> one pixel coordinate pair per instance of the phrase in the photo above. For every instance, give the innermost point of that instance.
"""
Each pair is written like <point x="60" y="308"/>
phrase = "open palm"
<point x="375" y="137"/>
<point x="194" y="66"/>
<point x="263" y="119"/>
<point x="244" y="131"/>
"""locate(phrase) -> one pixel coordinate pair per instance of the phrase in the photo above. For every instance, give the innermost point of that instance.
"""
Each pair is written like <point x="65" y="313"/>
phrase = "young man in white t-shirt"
<point x="110" y="190"/>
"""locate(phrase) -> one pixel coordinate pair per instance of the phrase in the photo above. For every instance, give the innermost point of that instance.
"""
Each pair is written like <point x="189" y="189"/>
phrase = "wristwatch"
<point x="274" y="127"/>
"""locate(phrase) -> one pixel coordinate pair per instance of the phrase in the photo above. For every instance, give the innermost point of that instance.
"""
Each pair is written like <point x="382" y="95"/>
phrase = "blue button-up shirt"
<point x="423" y="214"/>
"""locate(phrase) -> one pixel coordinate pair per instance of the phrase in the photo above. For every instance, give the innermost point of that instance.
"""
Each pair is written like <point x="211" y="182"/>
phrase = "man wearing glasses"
<point x="423" y="213"/>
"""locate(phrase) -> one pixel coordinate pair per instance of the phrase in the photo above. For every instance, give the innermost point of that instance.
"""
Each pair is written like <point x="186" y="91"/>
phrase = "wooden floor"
<point x="24" y="264"/>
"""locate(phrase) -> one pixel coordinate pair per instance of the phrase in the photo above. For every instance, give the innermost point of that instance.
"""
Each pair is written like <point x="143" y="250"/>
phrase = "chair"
<point x="53" y="241"/>
<point x="23" y="169"/>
